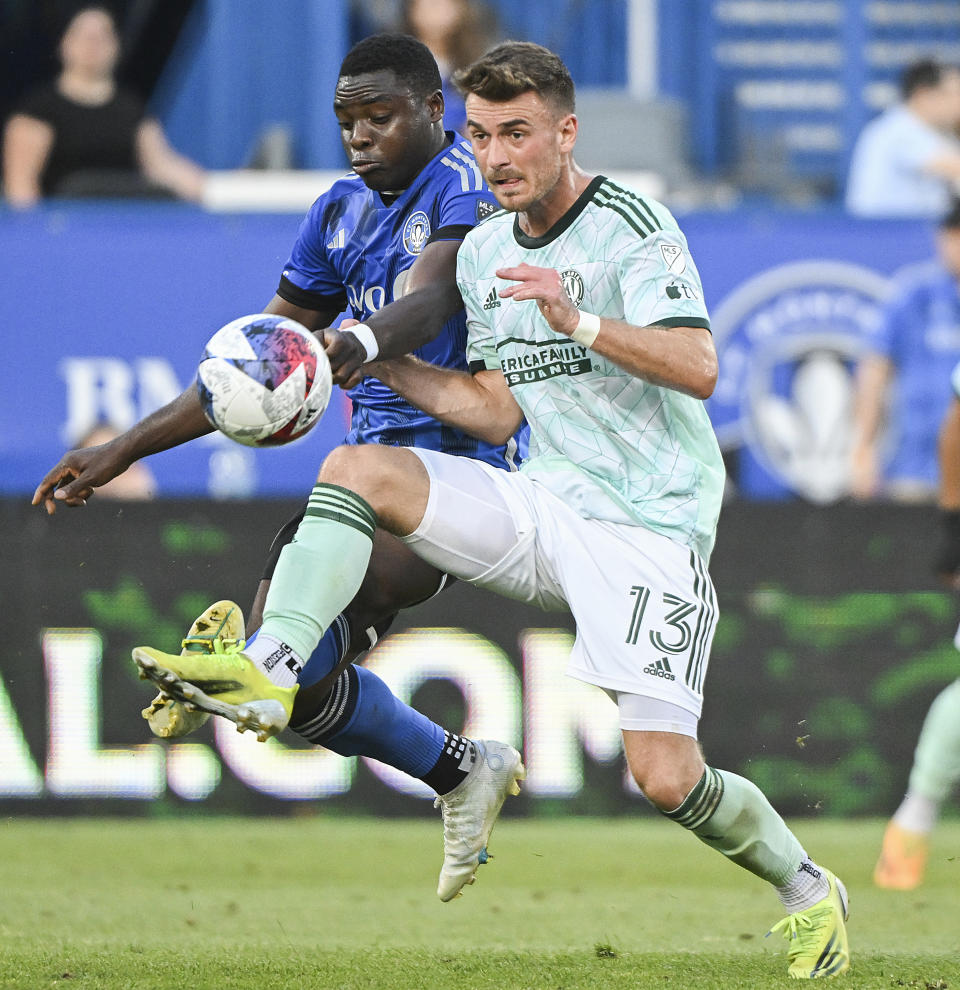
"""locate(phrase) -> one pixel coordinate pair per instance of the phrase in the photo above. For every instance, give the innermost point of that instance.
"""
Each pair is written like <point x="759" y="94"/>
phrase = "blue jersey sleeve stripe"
<point x="471" y="164"/>
<point x="464" y="179"/>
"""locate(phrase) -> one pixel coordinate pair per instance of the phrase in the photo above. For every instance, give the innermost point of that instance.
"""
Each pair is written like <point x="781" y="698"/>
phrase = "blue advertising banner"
<point x="122" y="301"/>
<point x="123" y="298"/>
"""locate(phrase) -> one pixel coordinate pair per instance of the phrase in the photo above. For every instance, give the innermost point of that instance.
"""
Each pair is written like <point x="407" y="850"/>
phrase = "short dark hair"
<point x="925" y="73"/>
<point x="516" y="67"/>
<point x="951" y="221"/>
<point x="408" y="59"/>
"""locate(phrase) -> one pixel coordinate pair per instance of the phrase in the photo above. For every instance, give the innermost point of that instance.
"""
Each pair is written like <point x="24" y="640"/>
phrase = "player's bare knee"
<point x="359" y="469"/>
<point x="666" y="792"/>
<point x="666" y="783"/>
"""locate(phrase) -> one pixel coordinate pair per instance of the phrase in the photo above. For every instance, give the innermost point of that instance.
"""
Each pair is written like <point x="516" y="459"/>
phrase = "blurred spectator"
<point x="936" y="761"/>
<point x="137" y="483"/>
<point x="906" y="162"/>
<point x="457" y="32"/>
<point x="84" y="135"/>
<point x="907" y="368"/>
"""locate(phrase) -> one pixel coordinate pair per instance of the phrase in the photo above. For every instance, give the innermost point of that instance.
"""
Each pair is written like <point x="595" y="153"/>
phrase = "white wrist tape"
<point x="365" y="335"/>
<point x="588" y="327"/>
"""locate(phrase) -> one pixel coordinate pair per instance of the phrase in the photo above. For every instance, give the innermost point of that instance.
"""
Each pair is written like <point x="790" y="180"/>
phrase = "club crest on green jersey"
<point x="572" y="285"/>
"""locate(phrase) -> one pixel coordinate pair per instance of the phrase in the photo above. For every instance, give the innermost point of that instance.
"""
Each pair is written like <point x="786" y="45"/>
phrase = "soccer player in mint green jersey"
<point x="936" y="761"/>
<point x="584" y="315"/>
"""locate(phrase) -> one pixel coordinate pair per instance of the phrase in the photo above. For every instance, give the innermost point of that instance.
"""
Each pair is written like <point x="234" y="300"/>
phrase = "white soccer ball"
<point x="264" y="380"/>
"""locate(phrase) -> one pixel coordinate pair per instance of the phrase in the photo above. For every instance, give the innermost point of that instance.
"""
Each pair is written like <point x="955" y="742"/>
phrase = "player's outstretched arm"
<point x="481" y="404"/>
<point x="430" y="297"/>
<point x="681" y="358"/>
<point x="79" y="472"/>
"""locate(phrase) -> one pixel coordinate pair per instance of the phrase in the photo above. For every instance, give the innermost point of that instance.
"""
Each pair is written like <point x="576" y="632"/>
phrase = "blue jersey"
<point x="354" y="252"/>
<point x="920" y="335"/>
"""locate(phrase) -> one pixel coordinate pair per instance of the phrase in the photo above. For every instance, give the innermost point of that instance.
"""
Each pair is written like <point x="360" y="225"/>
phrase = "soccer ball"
<point x="264" y="380"/>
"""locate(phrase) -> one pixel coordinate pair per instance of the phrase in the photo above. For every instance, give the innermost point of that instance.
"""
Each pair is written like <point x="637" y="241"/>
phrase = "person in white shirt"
<point x="906" y="161"/>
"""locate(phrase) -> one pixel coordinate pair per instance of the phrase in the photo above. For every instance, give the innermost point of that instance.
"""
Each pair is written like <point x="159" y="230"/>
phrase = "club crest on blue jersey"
<point x="415" y="232"/>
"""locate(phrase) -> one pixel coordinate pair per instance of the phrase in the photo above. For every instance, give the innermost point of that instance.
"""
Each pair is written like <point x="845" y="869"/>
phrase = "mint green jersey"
<point x="609" y="444"/>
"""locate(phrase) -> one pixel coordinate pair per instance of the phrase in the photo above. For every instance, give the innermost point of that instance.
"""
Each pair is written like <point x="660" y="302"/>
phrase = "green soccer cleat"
<point x="818" y="936"/>
<point x="221" y="622"/>
<point x="224" y="683"/>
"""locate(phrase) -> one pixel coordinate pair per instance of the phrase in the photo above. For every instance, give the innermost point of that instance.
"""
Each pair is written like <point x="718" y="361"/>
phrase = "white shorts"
<point x="644" y="605"/>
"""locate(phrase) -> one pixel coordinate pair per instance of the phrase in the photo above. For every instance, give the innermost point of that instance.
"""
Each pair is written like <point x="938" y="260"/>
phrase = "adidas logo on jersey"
<point x="660" y="668"/>
<point x="493" y="300"/>
<point x="338" y="240"/>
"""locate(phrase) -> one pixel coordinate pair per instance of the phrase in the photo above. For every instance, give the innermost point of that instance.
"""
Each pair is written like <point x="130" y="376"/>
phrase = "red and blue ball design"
<point x="264" y="380"/>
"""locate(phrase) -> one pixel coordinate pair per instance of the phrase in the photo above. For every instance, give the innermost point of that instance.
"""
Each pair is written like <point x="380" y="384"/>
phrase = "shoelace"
<point x="799" y="929"/>
<point x="220" y="646"/>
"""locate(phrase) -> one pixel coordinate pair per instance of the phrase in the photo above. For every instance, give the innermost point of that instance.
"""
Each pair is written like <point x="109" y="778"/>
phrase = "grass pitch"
<point x="349" y="903"/>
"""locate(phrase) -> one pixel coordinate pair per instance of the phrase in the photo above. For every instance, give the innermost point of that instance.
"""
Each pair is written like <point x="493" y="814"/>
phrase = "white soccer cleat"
<point x="470" y="811"/>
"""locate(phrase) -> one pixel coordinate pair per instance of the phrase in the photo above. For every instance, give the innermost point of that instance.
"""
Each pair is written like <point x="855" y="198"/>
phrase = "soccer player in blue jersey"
<point x="903" y="376"/>
<point x="382" y="245"/>
<point x="585" y="315"/>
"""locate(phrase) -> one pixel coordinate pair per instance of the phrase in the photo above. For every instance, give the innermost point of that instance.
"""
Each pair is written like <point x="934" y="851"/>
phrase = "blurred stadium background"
<point x="740" y="115"/>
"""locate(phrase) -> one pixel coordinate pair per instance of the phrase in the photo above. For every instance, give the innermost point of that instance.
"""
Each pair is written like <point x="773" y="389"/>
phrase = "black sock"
<point x="454" y="763"/>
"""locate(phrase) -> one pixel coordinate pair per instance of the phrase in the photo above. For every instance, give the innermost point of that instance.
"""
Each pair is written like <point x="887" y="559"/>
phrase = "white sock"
<point x="275" y="659"/>
<point x="917" y="814"/>
<point x="809" y="885"/>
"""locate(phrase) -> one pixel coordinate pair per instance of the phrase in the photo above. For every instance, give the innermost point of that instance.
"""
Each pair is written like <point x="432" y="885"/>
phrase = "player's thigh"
<point x="644" y="606"/>
<point x="396" y="578"/>
<point x="479" y="526"/>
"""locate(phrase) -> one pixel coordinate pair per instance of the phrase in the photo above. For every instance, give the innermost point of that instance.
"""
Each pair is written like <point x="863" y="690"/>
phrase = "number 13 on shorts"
<point x="674" y="635"/>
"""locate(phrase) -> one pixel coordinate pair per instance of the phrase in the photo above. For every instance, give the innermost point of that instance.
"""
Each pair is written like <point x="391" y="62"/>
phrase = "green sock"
<point x="319" y="573"/>
<point x="936" y="761"/>
<point x="731" y="815"/>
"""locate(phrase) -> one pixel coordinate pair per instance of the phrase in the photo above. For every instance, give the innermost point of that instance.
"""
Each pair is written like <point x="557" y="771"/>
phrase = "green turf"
<point x="350" y="903"/>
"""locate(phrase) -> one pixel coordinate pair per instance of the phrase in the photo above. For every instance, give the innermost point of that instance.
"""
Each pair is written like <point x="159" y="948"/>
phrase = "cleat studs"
<point x="189" y="692"/>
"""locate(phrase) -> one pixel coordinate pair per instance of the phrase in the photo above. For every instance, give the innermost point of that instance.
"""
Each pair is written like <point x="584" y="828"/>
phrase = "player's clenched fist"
<point x="346" y="355"/>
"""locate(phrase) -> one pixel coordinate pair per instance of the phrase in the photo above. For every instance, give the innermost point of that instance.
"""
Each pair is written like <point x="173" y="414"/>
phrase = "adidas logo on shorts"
<point x="661" y="668"/>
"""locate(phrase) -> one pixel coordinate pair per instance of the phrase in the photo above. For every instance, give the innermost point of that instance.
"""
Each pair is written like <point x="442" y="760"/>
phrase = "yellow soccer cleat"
<point x="903" y="859"/>
<point x="169" y="718"/>
<point x="818" y="936"/>
<point x="224" y="683"/>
